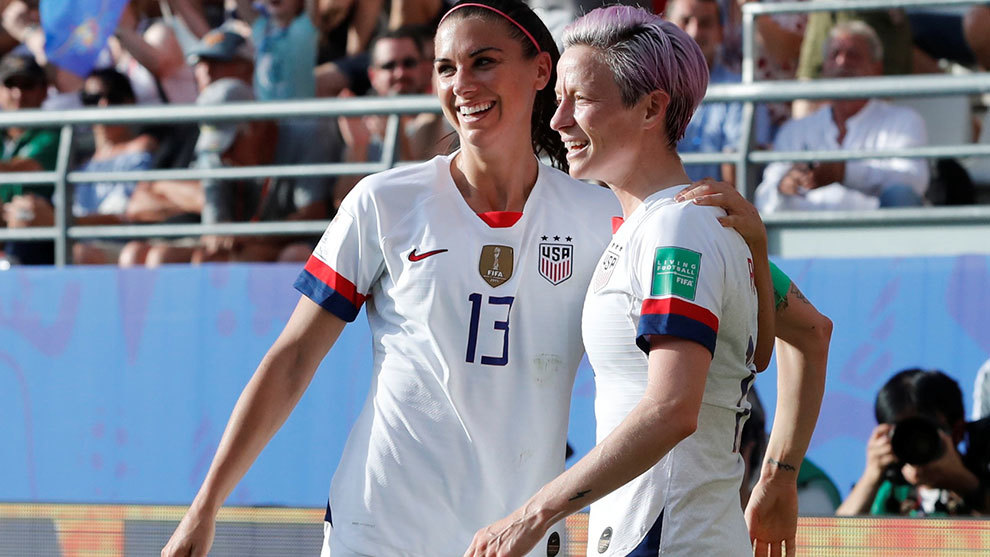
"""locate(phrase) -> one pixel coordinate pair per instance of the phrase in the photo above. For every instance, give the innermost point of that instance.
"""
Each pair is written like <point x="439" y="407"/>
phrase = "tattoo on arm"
<point x="781" y="465"/>
<point x="797" y="294"/>
<point x="579" y="495"/>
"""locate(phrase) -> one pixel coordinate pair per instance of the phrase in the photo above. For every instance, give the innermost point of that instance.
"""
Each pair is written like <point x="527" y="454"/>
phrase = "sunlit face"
<point x="592" y="120"/>
<point x="485" y="85"/>
<point x="849" y="55"/>
<point x="700" y="20"/>
<point x="396" y="68"/>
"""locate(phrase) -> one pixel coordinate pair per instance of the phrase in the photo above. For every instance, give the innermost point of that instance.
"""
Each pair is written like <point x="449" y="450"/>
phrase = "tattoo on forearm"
<point x="579" y="495"/>
<point x="781" y="465"/>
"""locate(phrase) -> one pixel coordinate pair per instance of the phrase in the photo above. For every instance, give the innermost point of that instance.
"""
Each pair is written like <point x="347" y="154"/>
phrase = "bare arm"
<point x="802" y="355"/>
<point x="160" y="48"/>
<point x="363" y="25"/>
<point x="192" y="16"/>
<point x="667" y="413"/>
<point x="264" y="405"/>
<point x="879" y="455"/>
<point x="783" y="45"/>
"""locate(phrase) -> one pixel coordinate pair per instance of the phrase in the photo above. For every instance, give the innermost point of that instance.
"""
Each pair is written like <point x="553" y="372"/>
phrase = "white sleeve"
<point x="348" y="260"/>
<point x="680" y="272"/>
<point x="902" y="128"/>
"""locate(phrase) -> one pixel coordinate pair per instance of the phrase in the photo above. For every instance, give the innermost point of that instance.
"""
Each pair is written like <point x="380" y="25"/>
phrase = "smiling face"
<point x="485" y="84"/>
<point x="597" y="128"/>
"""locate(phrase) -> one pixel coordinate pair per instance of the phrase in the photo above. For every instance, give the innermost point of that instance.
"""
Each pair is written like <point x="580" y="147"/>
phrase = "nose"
<point x="563" y="117"/>
<point x="464" y="82"/>
<point x="691" y="28"/>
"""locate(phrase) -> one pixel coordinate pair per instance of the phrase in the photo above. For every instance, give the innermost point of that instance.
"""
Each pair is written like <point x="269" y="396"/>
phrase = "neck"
<point x="491" y="181"/>
<point x="655" y="167"/>
<point x="844" y="110"/>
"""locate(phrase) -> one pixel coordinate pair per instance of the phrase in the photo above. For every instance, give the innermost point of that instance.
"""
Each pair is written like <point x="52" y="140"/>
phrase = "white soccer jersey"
<point x="672" y="269"/>
<point x="476" y="340"/>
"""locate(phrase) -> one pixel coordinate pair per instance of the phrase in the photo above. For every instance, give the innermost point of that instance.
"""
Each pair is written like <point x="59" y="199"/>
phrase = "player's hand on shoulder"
<point x="514" y="535"/>
<point x="740" y="214"/>
<point x="192" y="537"/>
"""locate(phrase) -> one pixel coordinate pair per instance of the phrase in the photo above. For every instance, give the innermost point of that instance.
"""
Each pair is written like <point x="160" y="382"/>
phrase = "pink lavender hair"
<point x="646" y="53"/>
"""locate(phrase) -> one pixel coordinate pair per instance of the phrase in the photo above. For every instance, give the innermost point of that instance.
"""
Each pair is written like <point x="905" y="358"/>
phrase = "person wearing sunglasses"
<point x="118" y="148"/>
<point x="24" y="86"/>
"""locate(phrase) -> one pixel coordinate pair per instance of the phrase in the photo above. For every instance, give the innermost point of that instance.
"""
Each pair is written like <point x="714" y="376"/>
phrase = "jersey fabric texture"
<point x="672" y="269"/>
<point x="476" y="341"/>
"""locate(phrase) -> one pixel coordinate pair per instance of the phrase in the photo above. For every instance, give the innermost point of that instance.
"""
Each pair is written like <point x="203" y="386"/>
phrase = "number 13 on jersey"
<point x="497" y="317"/>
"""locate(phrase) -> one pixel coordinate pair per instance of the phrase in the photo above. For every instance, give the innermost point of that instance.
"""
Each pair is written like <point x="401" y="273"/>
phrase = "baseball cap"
<point x="222" y="44"/>
<point x="217" y="137"/>
<point x="17" y="64"/>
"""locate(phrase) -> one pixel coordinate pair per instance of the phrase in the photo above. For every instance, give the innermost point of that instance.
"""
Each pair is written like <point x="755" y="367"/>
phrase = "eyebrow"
<point x="473" y="53"/>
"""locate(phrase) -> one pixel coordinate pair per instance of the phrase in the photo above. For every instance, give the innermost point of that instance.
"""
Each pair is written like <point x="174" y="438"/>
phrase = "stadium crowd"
<point x="217" y="51"/>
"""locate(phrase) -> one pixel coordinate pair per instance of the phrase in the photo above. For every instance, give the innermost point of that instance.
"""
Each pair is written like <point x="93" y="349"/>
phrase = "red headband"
<point x="499" y="12"/>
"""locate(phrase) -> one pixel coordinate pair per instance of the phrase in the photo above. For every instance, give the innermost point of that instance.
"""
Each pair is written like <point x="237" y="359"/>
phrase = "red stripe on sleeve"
<point x="680" y="307"/>
<point x="341" y="285"/>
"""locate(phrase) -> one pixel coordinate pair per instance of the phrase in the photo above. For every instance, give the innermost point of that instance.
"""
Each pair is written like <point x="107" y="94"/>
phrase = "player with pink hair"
<point x="670" y="322"/>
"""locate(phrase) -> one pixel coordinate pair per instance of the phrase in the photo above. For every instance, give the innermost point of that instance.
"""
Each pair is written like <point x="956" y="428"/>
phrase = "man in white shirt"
<point x="852" y="50"/>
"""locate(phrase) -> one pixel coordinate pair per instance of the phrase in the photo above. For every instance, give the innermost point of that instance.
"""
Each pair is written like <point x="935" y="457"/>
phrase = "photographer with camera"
<point x="913" y="464"/>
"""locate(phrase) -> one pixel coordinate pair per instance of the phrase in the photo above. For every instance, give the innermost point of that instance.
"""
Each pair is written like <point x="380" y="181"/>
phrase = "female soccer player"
<point x="669" y="321"/>
<point x="473" y="267"/>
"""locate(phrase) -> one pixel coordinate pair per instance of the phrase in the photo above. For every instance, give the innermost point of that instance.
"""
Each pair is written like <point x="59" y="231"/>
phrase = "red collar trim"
<point x="616" y="223"/>
<point x="501" y="219"/>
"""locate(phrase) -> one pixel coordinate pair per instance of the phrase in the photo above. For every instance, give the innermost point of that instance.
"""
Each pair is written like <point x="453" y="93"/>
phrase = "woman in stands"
<point x="473" y="266"/>
<point x="669" y="322"/>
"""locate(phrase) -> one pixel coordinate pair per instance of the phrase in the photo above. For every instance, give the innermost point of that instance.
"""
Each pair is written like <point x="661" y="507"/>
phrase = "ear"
<point x="544" y="67"/>
<point x="655" y="109"/>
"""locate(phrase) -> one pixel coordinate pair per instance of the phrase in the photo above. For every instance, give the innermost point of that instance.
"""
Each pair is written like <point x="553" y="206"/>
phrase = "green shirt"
<point x="38" y="144"/>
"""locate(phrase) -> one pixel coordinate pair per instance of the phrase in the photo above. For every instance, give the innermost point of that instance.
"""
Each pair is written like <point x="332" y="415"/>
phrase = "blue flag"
<point x="77" y="30"/>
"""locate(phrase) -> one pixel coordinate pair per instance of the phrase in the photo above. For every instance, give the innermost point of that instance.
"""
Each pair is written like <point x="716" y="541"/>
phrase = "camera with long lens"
<point x="915" y="441"/>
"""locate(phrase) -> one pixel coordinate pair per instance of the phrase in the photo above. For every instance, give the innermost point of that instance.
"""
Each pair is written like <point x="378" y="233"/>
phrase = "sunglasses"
<point x="406" y="64"/>
<point x="93" y="99"/>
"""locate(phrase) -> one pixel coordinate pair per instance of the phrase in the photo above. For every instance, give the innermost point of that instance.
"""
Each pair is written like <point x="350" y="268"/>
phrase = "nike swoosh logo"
<point x="413" y="256"/>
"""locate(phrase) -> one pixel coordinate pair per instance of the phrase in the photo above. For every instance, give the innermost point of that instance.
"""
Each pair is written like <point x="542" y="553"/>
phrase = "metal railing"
<point x="748" y="92"/>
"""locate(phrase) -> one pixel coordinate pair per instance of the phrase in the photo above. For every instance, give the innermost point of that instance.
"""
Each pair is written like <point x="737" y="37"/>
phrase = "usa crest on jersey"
<point x="556" y="262"/>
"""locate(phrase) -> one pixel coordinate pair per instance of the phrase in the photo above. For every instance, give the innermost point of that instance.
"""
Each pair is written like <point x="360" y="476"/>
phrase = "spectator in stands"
<point x="148" y="52"/>
<point x="118" y="149"/>
<point x="959" y="38"/>
<point x="921" y="420"/>
<point x="21" y="19"/>
<point x="853" y="49"/>
<point x="221" y="53"/>
<point x="271" y="199"/>
<point x="23" y="85"/>
<point x="715" y="127"/>
<point x="346" y="28"/>
<point x="891" y="27"/>
<point x="396" y="69"/>
<point x="285" y="39"/>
